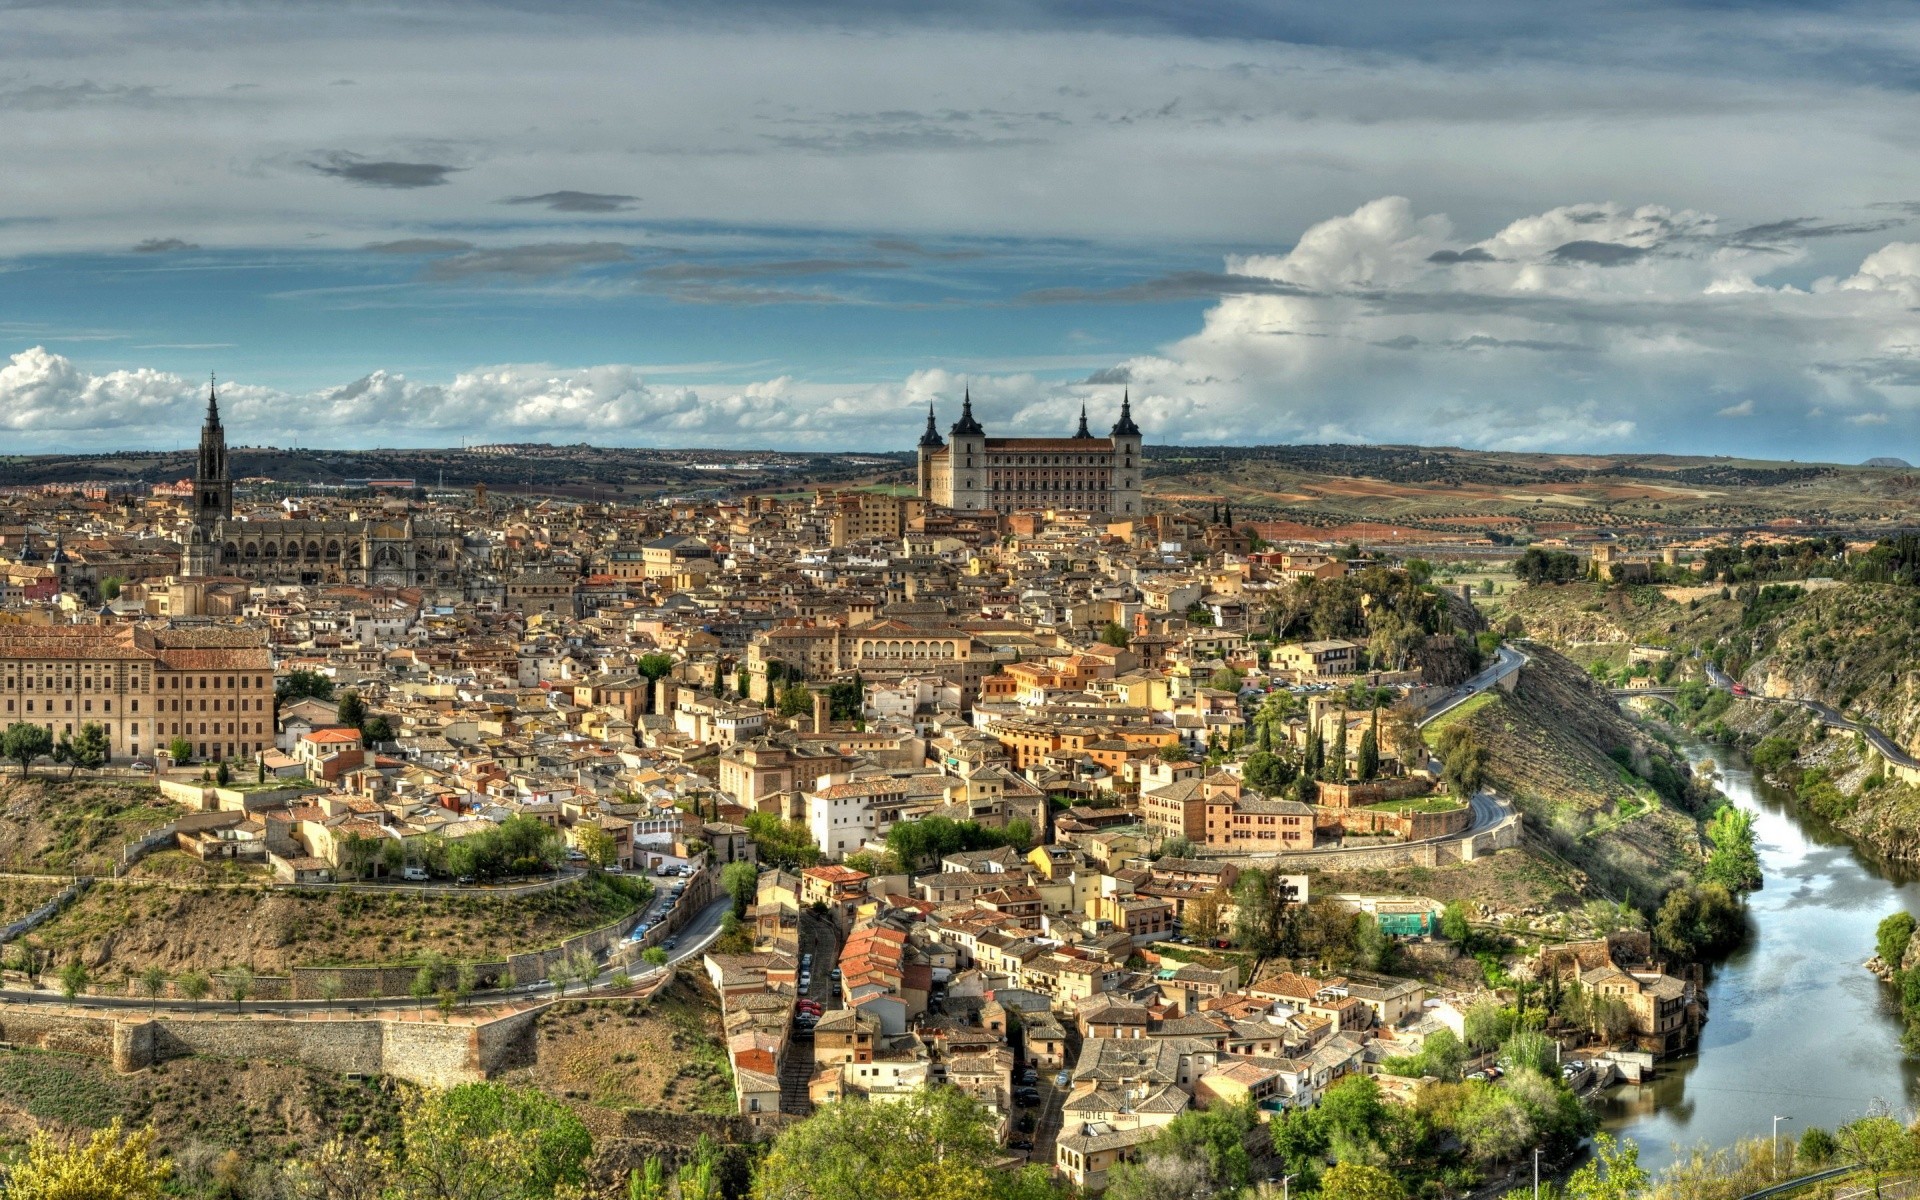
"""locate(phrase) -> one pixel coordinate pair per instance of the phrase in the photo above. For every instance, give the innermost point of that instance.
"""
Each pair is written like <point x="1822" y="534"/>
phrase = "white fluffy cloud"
<point x="1595" y="326"/>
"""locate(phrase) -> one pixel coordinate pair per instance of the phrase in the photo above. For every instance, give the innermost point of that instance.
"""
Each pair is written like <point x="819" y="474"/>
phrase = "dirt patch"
<point x="18" y="897"/>
<point x="73" y="827"/>
<point x="666" y="1055"/>
<point x="121" y="928"/>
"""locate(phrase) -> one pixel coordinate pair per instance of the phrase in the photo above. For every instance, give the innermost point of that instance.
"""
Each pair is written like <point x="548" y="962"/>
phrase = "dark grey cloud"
<point x="774" y="269"/>
<point x="1472" y="254"/>
<point x="1598" y="254"/>
<point x="548" y="258"/>
<point x="419" y="246"/>
<point x="162" y="245"/>
<point x="577" y="202"/>
<point x="382" y="173"/>
<point x="48" y="97"/>
<point x="1797" y="229"/>
<point x="1481" y="341"/>
<point x="1176" y="285"/>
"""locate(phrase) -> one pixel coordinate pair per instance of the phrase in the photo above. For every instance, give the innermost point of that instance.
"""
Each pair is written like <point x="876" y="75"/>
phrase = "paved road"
<point x="1507" y="660"/>
<point x="1889" y="749"/>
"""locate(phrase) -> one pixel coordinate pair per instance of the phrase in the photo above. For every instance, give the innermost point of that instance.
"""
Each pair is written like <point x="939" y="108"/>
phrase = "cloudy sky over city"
<point x="1523" y="226"/>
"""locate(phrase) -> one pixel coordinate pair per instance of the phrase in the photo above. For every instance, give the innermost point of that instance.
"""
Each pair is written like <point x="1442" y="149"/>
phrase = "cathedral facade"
<point x="398" y="551"/>
<point x="973" y="472"/>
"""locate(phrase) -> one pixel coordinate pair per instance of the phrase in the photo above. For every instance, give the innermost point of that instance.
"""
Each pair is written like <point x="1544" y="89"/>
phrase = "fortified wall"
<point x="427" y="1052"/>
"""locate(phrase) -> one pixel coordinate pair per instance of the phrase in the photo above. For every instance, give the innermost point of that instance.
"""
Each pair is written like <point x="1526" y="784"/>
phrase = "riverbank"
<point x="1798" y="1029"/>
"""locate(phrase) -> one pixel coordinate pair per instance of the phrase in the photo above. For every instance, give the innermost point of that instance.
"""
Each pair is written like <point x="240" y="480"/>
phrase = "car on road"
<point x="1063" y="1079"/>
<point x="671" y="943"/>
<point x="1026" y="1097"/>
<point x="1019" y="1144"/>
<point x="141" y="764"/>
<point x="1025" y="1123"/>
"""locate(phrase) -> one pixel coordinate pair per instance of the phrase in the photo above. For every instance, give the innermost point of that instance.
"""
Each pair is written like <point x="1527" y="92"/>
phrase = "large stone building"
<point x="982" y="474"/>
<point x="145" y="685"/>
<point x="399" y="551"/>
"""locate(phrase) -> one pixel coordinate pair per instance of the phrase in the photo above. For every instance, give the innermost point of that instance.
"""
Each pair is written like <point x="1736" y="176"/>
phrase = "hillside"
<point x="1603" y="797"/>
<point x="74" y="827"/>
<point x="1589" y="782"/>
<point x="645" y="1076"/>
<point x="1851" y="646"/>
<point x="121" y="928"/>
<point x="1339" y="490"/>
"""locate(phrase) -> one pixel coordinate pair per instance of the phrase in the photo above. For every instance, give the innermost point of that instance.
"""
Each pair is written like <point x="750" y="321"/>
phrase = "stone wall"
<point x="427" y="1052"/>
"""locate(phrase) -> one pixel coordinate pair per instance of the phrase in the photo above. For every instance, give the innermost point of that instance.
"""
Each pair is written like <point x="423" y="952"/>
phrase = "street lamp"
<point x="1776" y="1144"/>
<point x="1536" y="1173"/>
<point x="1285" y="1186"/>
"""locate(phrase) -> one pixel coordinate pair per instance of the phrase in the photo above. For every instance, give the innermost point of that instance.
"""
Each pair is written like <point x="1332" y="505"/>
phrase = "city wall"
<point x="427" y="1052"/>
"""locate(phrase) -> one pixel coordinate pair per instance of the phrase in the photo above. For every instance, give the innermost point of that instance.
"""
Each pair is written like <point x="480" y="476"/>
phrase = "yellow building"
<point x="144" y="685"/>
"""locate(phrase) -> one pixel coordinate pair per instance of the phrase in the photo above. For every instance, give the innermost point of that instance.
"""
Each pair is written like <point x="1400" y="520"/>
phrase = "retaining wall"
<point x="427" y="1052"/>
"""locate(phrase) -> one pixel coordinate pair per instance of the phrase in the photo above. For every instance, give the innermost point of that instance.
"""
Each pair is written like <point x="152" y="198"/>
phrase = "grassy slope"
<point x="1592" y="827"/>
<point x="668" y="1056"/>
<point x="73" y="827"/>
<point x="122" y="928"/>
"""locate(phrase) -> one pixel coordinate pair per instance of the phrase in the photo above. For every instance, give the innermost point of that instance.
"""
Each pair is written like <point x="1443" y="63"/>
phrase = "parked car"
<point x="414" y="874"/>
<point x="1019" y="1144"/>
<point x="141" y="764"/>
<point x="1025" y="1124"/>
<point x="1063" y="1079"/>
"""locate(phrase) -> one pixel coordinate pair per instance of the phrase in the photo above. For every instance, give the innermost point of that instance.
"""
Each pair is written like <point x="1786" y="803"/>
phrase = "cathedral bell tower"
<point x="212" y="485"/>
<point x="212" y="494"/>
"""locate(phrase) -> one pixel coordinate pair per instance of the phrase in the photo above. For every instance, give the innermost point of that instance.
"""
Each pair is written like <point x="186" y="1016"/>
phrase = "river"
<point x="1795" y="1026"/>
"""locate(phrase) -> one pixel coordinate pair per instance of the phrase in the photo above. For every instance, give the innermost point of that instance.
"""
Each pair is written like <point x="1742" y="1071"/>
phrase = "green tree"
<point x="936" y="1144"/>
<point x="22" y="743"/>
<point x="239" y="985"/>
<point x="194" y="985"/>
<point x="300" y="685"/>
<point x="1358" y="1181"/>
<point x="1113" y="633"/>
<point x="180" y="750"/>
<point x="1335" y="769"/>
<point x="1463" y="760"/>
<point x="1453" y="923"/>
<point x="486" y="1141"/>
<point x="74" y="978"/>
<point x="1487" y="1023"/>
<point x="1891" y="938"/>
<point x="331" y="987"/>
<point x="1226" y="679"/>
<point x="1372" y="944"/>
<point x="654" y="956"/>
<point x="1268" y="773"/>
<point x="1613" y="1173"/>
<point x="795" y="700"/>
<point x="654" y="666"/>
<point x="1369" y="759"/>
<point x="1264" y="906"/>
<point x="377" y="729"/>
<point x="223" y="774"/>
<point x="597" y="844"/>
<point x="740" y="880"/>
<point x="153" y="981"/>
<point x="352" y="710"/>
<point x="1734" y="863"/>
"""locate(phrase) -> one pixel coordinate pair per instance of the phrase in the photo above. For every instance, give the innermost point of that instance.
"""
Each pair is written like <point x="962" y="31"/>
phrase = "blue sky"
<point x="1588" y="228"/>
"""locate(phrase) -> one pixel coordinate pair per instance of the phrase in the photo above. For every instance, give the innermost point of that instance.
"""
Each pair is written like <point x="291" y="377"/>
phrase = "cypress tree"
<point x="1337" y="761"/>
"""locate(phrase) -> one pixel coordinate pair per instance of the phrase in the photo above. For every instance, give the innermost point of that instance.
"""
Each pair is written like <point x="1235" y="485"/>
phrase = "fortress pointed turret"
<point x="972" y="472"/>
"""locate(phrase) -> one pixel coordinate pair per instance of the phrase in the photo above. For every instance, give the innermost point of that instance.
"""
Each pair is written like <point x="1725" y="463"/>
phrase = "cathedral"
<point x="974" y="472"/>
<point x="397" y="551"/>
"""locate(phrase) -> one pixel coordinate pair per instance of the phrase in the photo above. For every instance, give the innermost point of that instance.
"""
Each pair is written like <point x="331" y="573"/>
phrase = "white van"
<point x="414" y="874"/>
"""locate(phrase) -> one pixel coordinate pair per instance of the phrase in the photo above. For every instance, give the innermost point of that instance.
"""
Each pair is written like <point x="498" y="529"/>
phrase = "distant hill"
<point x="1899" y="463"/>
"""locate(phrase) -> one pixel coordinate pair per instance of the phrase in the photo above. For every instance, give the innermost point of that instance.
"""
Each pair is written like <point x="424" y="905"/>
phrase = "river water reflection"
<point x="1795" y="1026"/>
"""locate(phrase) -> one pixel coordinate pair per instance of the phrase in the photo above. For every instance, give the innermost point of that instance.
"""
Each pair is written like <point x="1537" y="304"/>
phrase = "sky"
<point x="1596" y="228"/>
